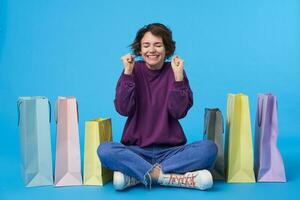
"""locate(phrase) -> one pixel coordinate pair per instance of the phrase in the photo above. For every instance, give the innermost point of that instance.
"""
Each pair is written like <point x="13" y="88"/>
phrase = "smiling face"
<point x="153" y="51"/>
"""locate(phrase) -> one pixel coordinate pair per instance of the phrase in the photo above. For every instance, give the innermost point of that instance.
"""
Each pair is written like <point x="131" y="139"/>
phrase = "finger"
<point x="129" y="60"/>
<point x="132" y="57"/>
<point x="175" y="60"/>
<point x="182" y="63"/>
<point x="124" y="58"/>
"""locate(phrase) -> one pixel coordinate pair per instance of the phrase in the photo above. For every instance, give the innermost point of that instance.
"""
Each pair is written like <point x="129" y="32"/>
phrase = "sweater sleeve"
<point x="180" y="98"/>
<point x="125" y="95"/>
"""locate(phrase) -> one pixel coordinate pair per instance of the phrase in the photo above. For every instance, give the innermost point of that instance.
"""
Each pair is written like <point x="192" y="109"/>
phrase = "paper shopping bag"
<point x="34" y="114"/>
<point x="269" y="166"/>
<point x="67" y="163"/>
<point x="213" y="130"/>
<point x="96" y="131"/>
<point x="239" y="149"/>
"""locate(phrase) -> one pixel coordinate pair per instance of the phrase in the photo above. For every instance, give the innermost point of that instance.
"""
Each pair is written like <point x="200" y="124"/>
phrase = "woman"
<point x="154" y="94"/>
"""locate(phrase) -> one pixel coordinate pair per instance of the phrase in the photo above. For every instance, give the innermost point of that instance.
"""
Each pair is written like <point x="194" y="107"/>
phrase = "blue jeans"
<point x="138" y="161"/>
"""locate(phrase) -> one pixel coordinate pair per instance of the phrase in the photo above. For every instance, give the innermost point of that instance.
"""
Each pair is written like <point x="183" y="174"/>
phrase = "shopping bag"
<point x="238" y="145"/>
<point x="269" y="166"/>
<point x="96" y="131"/>
<point x="34" y="115"/>
<point x="67" y="162"/>
<point x="213" y="130"/>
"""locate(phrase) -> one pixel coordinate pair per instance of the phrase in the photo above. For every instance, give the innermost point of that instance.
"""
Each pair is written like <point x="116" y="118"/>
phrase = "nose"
<point x="152" y="49"/>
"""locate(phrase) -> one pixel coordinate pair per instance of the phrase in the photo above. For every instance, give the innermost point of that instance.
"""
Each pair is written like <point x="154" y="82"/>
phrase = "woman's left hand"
<point x="177" y="66"/>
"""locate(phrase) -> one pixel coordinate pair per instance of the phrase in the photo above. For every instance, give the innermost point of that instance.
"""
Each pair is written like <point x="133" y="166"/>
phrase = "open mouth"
<point x="153" y="57"/>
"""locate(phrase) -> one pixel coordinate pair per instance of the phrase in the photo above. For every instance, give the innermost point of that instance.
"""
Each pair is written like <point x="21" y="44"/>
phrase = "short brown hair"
<point x="156" y="29"/>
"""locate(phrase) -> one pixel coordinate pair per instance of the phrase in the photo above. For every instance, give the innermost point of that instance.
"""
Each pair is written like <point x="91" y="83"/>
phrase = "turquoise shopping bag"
<point x="34" y="114"/>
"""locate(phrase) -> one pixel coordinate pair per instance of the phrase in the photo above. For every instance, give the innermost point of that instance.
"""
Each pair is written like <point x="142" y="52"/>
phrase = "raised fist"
<point x="177" y="66"/>
<point x="128" y="63"/>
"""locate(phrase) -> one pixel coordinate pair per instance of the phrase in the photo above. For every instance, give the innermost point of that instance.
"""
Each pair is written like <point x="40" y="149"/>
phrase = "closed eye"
<point x="147" y="44"/>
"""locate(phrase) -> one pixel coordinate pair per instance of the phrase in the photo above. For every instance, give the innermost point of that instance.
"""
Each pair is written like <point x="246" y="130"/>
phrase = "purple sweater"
<point x="153" y="102"/>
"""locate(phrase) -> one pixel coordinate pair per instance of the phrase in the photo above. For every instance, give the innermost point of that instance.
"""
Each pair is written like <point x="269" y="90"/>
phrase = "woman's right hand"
<point x="128" y="62"/>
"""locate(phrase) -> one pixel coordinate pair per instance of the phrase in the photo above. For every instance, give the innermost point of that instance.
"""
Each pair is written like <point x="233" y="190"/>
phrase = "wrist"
<point x="127" y="72"/>
<point x="178" y="77"/>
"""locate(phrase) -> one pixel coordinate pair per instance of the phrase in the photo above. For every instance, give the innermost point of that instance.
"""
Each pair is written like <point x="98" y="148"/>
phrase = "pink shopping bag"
<point x="67" y="164"/>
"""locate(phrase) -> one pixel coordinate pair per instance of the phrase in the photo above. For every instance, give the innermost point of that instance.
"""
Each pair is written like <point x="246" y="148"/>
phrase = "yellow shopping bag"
<point x="239" y="149"/>
<point x="96" y="132"/>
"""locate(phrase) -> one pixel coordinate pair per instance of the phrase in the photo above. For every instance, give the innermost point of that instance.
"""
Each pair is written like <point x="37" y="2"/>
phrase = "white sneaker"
<point x="201" y="179"/>
<point x="122" y="181"/>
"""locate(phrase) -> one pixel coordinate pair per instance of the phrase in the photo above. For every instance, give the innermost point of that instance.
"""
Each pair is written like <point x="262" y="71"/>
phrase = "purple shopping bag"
<point x="269" y="166"/>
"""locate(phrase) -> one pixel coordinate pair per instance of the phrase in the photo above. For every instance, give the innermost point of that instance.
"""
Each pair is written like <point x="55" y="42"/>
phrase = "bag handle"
<point x="222" y="120"/>
<point x="19" y="102"/>
<point x="229" y="104"/>
<point x="260" y="109"/>
<point x="49" y="111"/>
<point x="273" y="108"/>
<point x="205" y="121"/>
<point x="56" y="111"/>
<point x="77" y="111"/>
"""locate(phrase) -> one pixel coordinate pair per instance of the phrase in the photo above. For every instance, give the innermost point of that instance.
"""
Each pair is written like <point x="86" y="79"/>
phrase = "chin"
<point x="153" y="62"/>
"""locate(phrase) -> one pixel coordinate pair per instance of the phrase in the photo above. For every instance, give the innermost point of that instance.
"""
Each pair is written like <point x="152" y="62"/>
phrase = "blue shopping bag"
<point x="34" y="114"/>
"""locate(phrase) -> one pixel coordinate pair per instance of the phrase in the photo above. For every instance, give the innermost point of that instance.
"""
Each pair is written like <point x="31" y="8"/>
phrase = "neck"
<point x="155" y="67"/>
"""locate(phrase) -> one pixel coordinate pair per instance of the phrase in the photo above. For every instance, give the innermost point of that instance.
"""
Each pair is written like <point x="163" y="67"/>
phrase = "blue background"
<point x="61" y="48"/>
